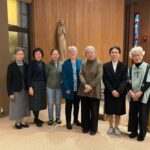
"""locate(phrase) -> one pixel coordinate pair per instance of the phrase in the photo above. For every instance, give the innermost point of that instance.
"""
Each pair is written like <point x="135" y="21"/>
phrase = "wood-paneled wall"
<point x="4" y="57"/>
<point x="88" y="22"/>
<point x="25" y="1"/>
<point x="143" y="8"/>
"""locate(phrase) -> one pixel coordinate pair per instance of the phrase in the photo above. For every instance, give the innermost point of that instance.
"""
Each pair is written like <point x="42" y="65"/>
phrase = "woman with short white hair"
<point x="139" y="92"/>
<point x="70" y="85"/>
<point x="136" y="50"/>
<point x="89" y="91"/>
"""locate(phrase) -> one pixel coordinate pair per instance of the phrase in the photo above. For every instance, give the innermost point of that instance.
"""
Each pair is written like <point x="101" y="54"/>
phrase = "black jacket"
<point x="115" y="81"/>
<point x="35" y="73"/>
<point x="14" y="78"/>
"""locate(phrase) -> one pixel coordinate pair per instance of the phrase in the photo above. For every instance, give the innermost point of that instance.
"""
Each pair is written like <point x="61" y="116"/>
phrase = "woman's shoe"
<point x="110" y="130"/>
<point x="24" y="125"/>
<point x="85" y="131"/>
<point x="18" y="126"/>
<point x="133" y="135"/>
<point x="50" y="122"/>
<point x="92" y="133"/>
<point x="117" y="131"/>
<point x="38" y="123"/>
<point x="58" y="121"/>
<point x="76" y="122"/>
<point x="140" y="138"/>
<point x="69" y="126"/>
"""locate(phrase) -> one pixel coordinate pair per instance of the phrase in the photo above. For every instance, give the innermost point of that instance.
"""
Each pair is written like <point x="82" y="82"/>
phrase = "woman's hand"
<point x="12" y="97"/>
<point x="88" y="88"/>
<point x="31" y="91"/>
<point x="138" y="94"/>
<point x="68" y="91"/>
<point x="133" y="95"/>
<point x="115" y="93"/>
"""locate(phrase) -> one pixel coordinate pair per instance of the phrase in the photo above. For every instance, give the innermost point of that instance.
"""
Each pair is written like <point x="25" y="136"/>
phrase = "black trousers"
<point x="89" y="113"/>
<point x="68" y="108"/>
<point x="138" y="117"/>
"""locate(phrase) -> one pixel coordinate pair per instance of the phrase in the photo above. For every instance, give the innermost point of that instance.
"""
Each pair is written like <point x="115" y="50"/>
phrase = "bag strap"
<point x="146" y="73"/>
<point x="130" y="72"/>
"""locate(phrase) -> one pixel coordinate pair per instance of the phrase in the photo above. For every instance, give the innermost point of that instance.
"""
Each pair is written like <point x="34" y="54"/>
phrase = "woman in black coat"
<point x="17" y="89"/>
<point x="115" y="80"/>
<point x="37" y="85"/>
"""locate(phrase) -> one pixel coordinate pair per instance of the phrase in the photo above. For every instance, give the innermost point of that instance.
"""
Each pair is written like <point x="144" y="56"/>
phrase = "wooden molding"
<point x="26" y="1"/>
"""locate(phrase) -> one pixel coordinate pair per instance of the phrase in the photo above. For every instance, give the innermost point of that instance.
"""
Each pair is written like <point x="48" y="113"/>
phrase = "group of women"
<point x="75" y="80"/>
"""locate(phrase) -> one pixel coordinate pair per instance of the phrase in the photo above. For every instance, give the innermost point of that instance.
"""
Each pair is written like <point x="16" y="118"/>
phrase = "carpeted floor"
<point x="57" y="137"/>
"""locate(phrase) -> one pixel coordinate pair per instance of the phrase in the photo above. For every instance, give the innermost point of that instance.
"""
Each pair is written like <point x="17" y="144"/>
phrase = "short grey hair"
<point x="90" y="47"/>
<point x="72" y="47"/>
<point x="137" y="49"/>
<point x="17" y="49"/>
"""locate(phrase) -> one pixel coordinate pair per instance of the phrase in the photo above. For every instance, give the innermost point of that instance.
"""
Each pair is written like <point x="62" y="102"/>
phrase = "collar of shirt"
<point x="56" y="64"/>
<point x="114" y="65"/>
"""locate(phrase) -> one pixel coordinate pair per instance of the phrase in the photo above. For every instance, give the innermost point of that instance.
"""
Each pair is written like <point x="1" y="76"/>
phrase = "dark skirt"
<point x="38" y="101"/>
<point x="114" y="106"/>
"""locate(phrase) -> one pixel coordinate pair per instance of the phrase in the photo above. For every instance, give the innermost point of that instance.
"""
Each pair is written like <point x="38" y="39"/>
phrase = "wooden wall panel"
<point x="26" y="1"/>
<point x="4" y="57"/>
<point x="88" y="22"/>
<point x="144" y="27"/>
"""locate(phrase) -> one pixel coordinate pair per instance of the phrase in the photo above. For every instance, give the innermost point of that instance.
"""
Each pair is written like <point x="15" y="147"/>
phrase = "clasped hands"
<point x="115" y="93"/>
<point x="135" y="95"/>
<point x="87" y="89"/>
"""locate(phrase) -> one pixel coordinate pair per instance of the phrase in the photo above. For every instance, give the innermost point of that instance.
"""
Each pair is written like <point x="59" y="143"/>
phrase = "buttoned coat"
<point x="115" y="81"/>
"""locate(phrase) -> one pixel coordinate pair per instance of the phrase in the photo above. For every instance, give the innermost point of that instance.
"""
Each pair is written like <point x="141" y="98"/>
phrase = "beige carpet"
<point x="57" y="137"/>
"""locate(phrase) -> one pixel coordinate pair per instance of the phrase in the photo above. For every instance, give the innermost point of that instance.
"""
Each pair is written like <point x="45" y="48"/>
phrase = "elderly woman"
<point x="115" y="81"/>
<point x="89" y="91"/>
<point x="70" y="85"/>
<point x="139" y="92"/>
<point x="17" y="89"/>
<point x="37" y="85"/>
<point x="54" y="73"/>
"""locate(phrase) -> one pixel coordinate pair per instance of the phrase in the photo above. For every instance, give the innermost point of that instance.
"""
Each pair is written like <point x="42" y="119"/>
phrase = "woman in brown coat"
<point x="90" y="77"/>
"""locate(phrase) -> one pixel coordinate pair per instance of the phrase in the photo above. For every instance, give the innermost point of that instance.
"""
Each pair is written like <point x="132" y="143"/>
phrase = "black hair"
<point x="37" y="50"/>
<point x="115" y="47"/>
<point x="54" y="50"/>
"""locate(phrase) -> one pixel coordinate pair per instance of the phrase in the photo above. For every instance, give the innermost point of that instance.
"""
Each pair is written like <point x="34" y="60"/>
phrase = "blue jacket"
<point x="67" y="77"/>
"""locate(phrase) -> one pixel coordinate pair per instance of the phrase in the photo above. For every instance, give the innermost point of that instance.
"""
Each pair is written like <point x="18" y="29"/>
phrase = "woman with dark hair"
<point x="53" y="74"/>
<point x="37" y="85"/>
<point x="115" y="81"/>
<point x="17" y="89"/>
